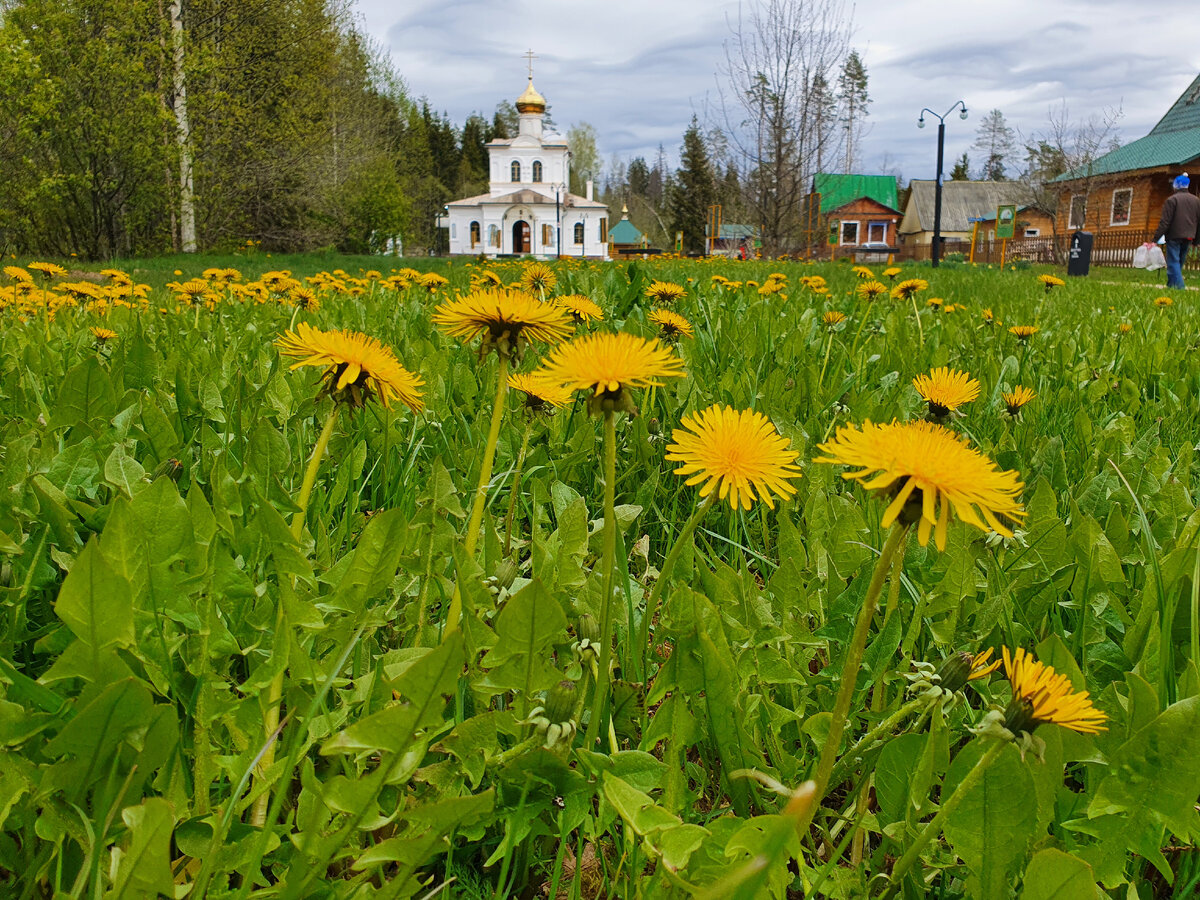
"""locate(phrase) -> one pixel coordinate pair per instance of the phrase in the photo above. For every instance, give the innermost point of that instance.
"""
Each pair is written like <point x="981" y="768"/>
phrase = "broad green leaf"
<point x="994" y="823"/>
<point x="529" y="623"/>
<point x="96" y="602"/>
<point x="145" y="869"/>
<point x="1054" y="875"/>
<point x="124" y="472"/>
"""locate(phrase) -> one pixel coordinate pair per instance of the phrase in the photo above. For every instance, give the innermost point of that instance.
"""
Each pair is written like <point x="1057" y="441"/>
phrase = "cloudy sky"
<point x="638" y="69"/>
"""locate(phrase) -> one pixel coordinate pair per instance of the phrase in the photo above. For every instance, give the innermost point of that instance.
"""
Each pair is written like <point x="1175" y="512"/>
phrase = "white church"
<point x="528" y="210"/>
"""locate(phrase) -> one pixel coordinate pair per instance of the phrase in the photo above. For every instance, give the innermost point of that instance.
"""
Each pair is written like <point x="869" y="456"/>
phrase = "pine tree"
<point x="638" y="176"/>
<point x="997" y="141"/>
<point x="852" y="92"/>
<point x="962" y="169"/>
<point x="694" y="191"/>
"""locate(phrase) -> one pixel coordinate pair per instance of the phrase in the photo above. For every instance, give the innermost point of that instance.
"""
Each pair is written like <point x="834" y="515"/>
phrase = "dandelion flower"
<point x="892" y="271"/>
<point x="541" y="396"/>
<point x="962" y="667"/>
<point x="102" y="335"/>
<point x="506" y="319"/>
<point x="50" y="270"/>
<point x="665" y="292"/>
<point x="739" y="454"/>
<point x="1125" y="328"/>
<point x="608" y="365"/>
<point x="905" y="289"/>
<point x="989" y="318"/>
<point x="357" y="366"/>
<point x="433" y="282"/>
<point x="833" y="318"/>
<point x="1051" y="282"/>
<point x="928" y="470"/>
<point x="935" y="303"/>
<point x="863" y="273"/>
<point x="871" y="289"/>
<point x="671" y="325"/>
<point x="945" y="390"/>
<point x="582" y="309"/>
<point x="1042" y="696"/>
<point x="1160" y="302"/>
<point x="538" y="278"/>
<point x="16" y="273"/>
<point x="1023" y="332"/>
<point x="1016" y="398"/>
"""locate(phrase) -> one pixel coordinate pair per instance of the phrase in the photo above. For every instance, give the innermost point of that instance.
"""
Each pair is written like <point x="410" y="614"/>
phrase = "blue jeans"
<point x="1176" y="252"/>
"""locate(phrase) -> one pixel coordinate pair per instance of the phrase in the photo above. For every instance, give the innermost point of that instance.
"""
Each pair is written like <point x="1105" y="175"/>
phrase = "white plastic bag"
<point x="1141" y="257"/>
<point x="1156" y="260"/>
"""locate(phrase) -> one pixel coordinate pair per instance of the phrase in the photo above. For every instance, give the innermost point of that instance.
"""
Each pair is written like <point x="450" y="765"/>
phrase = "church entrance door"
<point x="520" y="234"/>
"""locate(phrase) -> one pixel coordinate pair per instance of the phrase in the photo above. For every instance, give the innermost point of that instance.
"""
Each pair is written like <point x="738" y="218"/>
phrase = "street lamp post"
<point x="935" y="254"/>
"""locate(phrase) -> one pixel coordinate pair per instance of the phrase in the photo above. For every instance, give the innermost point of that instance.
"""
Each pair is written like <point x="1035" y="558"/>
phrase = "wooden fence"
<point x="1109" y="248"/>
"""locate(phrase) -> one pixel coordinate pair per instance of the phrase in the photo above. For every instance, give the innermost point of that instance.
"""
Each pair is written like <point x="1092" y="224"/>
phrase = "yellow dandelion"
<point x="538" y="278"/>
<point x="665" y="292"/>
<point x="490" y="278"/>
<point x="928" y="469"/>
<point x="1023" y="332"/>
<point x="739" y="454"/>
<point x="102" y="335"/>
<point x="608" y="365"/>
<point x="1041" y="696"/>
<point x="1016" y="398"/>
<point x="935" y="303"/>
<point x="945" y="390"/>
<point x="541" y="396"/>
<point x="869" y="290"/>
<point x="671" y="325"/>
<point x="582" y="309"/>
<point x="50" y="270"/>
<point x="357" y="367"/>
<point x="989" y="318"/>
<point x="1160" y="302"/>
<point x="1124" y="328"/>
<point x="905" y="289"/>
<point x="891" y="272"/>
<point x="1051" y="282"/>
<point x="193" y="290"/>
<point x="863" y="272"/>
<point x="506" y="319"/>
<point x="833" y="318"/>
<point x="305" y="299"/>
<point x="16" y="273"/>
<point x="432" y="282"/>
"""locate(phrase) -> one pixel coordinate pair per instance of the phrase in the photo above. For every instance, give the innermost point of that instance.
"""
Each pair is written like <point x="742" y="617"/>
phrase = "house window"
<point x="1122" y="202"/>
<point x="493" y="235"/>
<point x="537" y="170"/>
<point x="453" y="231"/>
<point x="1033" y="232"/>
<point x="1078" y="211"/>
<point x="604" y="231"/>
<point x="578" y="232"/>
<point x="474" y="233"/>
<point x="877" y="232"/>
<point x="849" y="233"/>
<point x="516" y="170"/>
<point x="547" y="231"/>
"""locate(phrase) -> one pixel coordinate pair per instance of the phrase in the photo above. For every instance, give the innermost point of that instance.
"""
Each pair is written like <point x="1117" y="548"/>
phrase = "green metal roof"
<point x="1172" y="142"/>
<point x="625" y="232"/>
<point x="838" y="190"/>
<point x="735" y="232"/>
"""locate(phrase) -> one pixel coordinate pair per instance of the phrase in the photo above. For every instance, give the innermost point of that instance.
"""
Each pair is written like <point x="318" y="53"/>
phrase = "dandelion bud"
<point x="506" y="573"/>
<point x="560" y="702"/>
<point x="955" y="671"/>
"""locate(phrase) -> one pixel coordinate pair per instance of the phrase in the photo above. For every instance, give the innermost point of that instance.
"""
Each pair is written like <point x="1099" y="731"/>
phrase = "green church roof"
<point x="1173" y="141"/>
<point x="838" y="190"/>
<point x="625" y="232"/>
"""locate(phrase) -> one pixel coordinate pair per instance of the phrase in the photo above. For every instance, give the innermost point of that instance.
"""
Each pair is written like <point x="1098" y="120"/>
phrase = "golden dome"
<point x="531" y="101"/>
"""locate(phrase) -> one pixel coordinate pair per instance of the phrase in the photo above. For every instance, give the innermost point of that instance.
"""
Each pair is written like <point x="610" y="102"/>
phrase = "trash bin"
<point x="1079" y="257"/>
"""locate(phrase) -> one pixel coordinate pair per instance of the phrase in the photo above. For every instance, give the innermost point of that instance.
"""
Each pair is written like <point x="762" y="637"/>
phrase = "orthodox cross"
<point x="528" y="54"/>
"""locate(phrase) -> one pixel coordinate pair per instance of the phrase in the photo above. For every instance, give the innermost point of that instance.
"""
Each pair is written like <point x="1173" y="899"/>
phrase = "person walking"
<point x="1180" y="225"/>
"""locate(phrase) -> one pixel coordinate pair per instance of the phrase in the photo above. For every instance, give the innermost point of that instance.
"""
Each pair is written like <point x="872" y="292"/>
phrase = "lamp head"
<point x="963" y="114"/>
<point x="921" y="122"/>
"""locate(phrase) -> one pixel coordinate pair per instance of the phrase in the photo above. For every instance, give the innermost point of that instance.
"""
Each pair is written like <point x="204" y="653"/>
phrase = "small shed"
<point x="732" y="239"/>
<point x="858" y="214"/>
<point x="963" y="204"/>
<point x="625" y="238"/>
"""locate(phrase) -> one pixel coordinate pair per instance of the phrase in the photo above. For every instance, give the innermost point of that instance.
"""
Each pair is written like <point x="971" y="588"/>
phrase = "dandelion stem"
<point x="485" y="476"/>
<point x="850" y="667"/>
<point x="861" y="325"/>
<point x="310" y="474"/>
<point x="607" y="560"/>
<point x="917" y="313"/>
<point x="828" y="347"/>
<point x="516" y="489"/>
<point x="685" y="535"/>
<point x="934" y="826"/>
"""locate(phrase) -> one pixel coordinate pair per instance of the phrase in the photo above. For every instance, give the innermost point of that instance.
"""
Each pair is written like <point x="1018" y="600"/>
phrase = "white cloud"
<point x="638" y="70"/>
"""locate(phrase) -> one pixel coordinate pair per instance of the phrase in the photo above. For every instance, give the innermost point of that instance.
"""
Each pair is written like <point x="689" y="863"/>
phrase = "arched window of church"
<point x="579" y="232"/>
<point x="493" y="236"/>
<point x="537" y="170"/>
<point x="516" y="170"/>
<point x="474" y="233"/>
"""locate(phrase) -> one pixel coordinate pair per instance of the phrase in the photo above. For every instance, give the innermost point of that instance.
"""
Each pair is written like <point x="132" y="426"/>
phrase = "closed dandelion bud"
<point x="171" y="468"/>
<point x="654" y="427"/>
<point x="955" y="671"/>
<point x="560" y="702"/>
<point x="506" y="573"/>
<point x="588" y="629"/>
